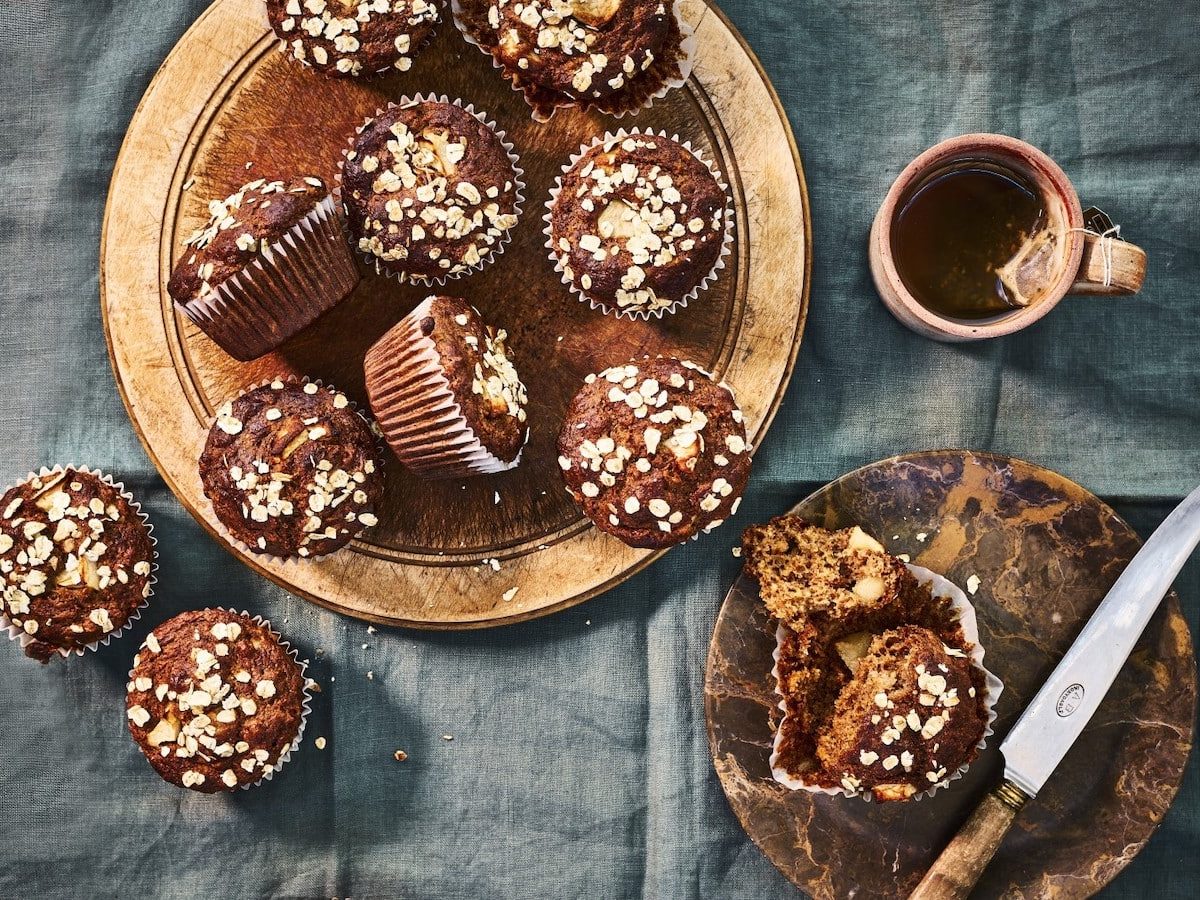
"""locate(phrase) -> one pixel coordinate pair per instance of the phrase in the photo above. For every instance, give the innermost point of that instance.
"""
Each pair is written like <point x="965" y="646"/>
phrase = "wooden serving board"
<point x="226" y="97"/>
<point x="1046" y="552"/>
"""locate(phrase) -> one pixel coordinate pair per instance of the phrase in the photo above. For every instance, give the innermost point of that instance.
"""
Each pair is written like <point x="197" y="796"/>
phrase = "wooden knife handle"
<point x="956" y="871"/>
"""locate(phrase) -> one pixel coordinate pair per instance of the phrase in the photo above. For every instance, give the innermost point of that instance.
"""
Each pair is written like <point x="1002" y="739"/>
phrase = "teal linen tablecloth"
<point x="578" y="765"/>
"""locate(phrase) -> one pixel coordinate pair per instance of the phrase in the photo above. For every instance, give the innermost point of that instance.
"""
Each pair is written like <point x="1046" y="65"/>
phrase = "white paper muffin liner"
<point x="416" y="408"/>
<point x="239" y="544"/>
<point x="497" y="250"/>
<point x="687" y="49"/>
<point x="18" y="634"/>
<point x="607" y="307"/>
<point x="286" y="288"/>
<point x="305" y="703"/>
<point x="941" y="587"/>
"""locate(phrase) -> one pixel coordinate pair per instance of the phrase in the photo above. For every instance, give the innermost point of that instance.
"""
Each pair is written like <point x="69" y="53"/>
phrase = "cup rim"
<point x="984" y="144"/>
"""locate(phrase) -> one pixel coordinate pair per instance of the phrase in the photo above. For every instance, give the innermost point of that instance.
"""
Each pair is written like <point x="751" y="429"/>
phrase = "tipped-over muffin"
<point x="430" y="190"/>
<point x="445" y="392"/>
<point x="911" y="715"/>
<point x="354" y="37"/>
<point x="214" y="701"/>
<point x="654" y="451"/>
<point x="612" y="54"/>
<point x="638" y="224"/>
<point x="76" y="559"/>
<point x="292" y="469"/>
<point x="271" y="258"/>
<point x="878" y="689"/>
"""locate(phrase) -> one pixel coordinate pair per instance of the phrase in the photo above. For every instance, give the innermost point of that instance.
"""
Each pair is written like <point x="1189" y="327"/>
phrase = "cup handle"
<point x="1110" y="267"/>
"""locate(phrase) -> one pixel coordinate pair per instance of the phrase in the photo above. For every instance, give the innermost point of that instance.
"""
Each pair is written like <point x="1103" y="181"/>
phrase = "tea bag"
<point x="1032" y="267"/>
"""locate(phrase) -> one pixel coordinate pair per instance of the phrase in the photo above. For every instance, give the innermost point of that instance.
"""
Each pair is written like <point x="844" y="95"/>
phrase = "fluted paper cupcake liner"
<point x="941" y="587"/>
<point x="609" y="307"/>
<point x="305" y="703"/>
<point x="286" y="288"/>
<point x="416" y="408"/>
<point x="381" y="267"/>
<point x="18" y="634"/>
<point x="224" y="532"/>
<point x="612" y="105"/>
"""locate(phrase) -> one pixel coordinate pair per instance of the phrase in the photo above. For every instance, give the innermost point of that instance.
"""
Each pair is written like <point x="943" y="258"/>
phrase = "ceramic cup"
<point x="1070" y="261"/>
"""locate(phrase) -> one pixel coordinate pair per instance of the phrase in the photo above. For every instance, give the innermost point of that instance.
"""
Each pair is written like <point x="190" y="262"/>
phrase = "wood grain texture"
<point x="225" y="98"/>
<point x="955" y="872"/>
<point x="1046" y="552"/>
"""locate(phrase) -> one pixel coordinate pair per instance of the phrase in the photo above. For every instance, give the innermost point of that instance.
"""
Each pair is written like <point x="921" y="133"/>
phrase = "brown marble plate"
<point x="226" y="98"/>
<point x="1046" y="552"/>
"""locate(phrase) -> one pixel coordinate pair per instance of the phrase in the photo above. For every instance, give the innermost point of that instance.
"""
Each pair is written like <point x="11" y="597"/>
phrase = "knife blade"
<point x="1066" y="701"/>
<point x="1070" y="696"/>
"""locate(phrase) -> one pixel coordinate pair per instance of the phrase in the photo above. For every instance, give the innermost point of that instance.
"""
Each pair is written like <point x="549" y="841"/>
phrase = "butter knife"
<point x="1051" y="723"/>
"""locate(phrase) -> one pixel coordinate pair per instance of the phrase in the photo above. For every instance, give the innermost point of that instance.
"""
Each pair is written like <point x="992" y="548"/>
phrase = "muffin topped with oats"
<point x="655" y="451"/>
<point x="446" y="393"/>
<point x="270" y="259"/>
<point x="292" y="469"/>
<point x="638" y="224"/>
<point x="612" y="54"/>
<point x="430" y="190"/>
<point x="354" y="37"/>
<point x="214" y="701"/>
<point x="76" y="558"/>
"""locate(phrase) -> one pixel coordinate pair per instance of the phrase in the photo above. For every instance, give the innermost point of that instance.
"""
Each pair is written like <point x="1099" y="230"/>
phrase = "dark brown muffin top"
<point x="480" y="372"/>
<point x="292" y="469"/>
<point x="654" y="451"/>
<point x="429" y="190"/>
<point x="240" y="228"/>
<point x="578" y="48"/>
<point x="911" y="715"/>
<point x="638" y="223"/>
<point x="214" y="700"/>
<point x="354" y="37"/>
<point x="75" y="560"/>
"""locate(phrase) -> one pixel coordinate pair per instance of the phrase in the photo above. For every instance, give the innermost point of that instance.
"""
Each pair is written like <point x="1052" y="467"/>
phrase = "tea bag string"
<point x="1106" y="245"/>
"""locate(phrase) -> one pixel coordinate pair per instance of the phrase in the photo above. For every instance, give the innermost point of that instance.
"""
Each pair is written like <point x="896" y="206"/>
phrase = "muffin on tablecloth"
<point x="270" y="260"/>
<point x="445" y="392"/>
<point x="354" y="37"/>
<point x="638" y="224"/>
<point x="215" y="701"/>
<point x="654" y="451"/>
<point x="877" y="664"/>
<point x="430" y="189"/>
<point x="292" y="469"/>
<point x="615" y="55"/>
<point x="76" y="561"/>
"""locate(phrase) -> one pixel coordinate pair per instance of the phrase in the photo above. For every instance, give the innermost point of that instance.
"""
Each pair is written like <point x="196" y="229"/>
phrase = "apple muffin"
<point x="292" y="469"/>
<point x="654" y="451"/>
<point x="638" y="224"/>
<point x="214" y="701"/>
<point x="430" y="190"/>
<point x="76" y="561"/>
<point x="446" y="393"/>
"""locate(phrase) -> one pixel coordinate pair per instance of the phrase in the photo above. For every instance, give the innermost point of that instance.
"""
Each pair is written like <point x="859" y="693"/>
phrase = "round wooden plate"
<point x="1046" y="552"/>
<point x="225" y="98"/>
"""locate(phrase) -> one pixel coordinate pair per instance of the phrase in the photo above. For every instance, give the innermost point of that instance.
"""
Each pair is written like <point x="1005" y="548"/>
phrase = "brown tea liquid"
<point x="955" y="230"/>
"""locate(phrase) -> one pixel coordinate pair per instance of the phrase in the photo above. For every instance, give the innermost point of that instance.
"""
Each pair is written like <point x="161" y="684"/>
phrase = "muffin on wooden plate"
<point x="445" y="392"/>
<point x="76" y="561"/>
<point x="638" y="224"/>
<point x="654" y="451"/>
<point x="614" y="55"/>
<point x="292" y="469"/>
<point x="354" y="37"/>
<point x="215" y="701"/>
<point x="877" y="665"/>
<point x="270" y="260"/>
<point x="430" y="189"/>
